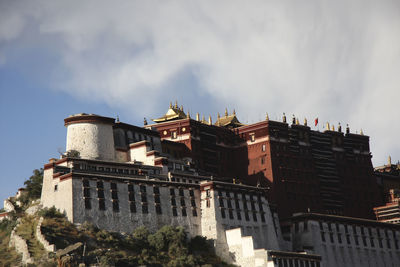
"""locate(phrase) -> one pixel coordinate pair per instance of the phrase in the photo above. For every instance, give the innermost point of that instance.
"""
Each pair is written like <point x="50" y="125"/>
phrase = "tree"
<point x="34" y="185"/>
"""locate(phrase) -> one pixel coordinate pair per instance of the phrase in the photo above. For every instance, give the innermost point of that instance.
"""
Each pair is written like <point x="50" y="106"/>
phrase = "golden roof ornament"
<point x="197" y="116"/>
<point x="327" y="126"/>
<point x="145" y="121"/>
<point x="170" y="104"/>
<point x="209" y="120"/>
<point x="226" y="112"/>
<point x="181" y="107"/>
<point x="333" y="127"/>
<point x="188" y="115"/>
<point x="339" y="128"/>
<point x="390" y="160"/>
<point x="297" y="121"/>
<point x="234" y="112"/>
<point x="347" y="129"/>
<point x="305" y="121"/>
<point x="266" y="116"/>
<point x="203" y="119"/>
<point x="218" y="115"/>
<point x="361" y="132"/>
<point x="117" y="118"/>
<point x="284" y="117"/>
<point x="176" y="104"/>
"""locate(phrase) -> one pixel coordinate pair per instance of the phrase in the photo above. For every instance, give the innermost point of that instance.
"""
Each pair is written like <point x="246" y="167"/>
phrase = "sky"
<point x="335" y="60"/>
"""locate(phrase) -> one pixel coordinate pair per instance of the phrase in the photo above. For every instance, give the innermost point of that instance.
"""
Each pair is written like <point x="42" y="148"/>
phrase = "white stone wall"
<point x="126" y="221"/>
<point x="339" y="247"/>
<point x="92" y="140"/>
<point x="57" y="193"/>
<point x="42" y="239"/>
<point x="21" y="247"/>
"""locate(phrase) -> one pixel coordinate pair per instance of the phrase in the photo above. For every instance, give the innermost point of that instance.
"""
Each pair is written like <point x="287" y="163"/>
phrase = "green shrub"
<point x="51" y="213"/>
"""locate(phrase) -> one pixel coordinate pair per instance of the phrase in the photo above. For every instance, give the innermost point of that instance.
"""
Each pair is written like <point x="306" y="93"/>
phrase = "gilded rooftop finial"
<point x="197" y="116"/>
<point x="284" y="117"/>
<point x="347" y="129"/>
<point x="333" y="127"/>
<point x="188" y="115"/>
<point x="339" y="128"/>
<point x="218" y="116"/>
<point x="170" y="104"/>
<point x="234" y="112"/>
<point x="226" y="112"/>
<point x="297" y="121"/>
<point x="209" y="120"/>
<point x="390" y="160"/>
<point x="361" y="132"/>
<point x="181" y="107"/>
<point x="203" y="119"/>
<point x="176" y="104"/>
<point x="266" y="116"/>
<point x="305" y="121"/>
<point x="327" y="126"/>
<point x="145" y="121"/>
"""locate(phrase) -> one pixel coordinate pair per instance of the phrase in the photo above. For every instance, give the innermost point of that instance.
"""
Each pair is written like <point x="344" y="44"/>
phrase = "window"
<point x="182" y="201"/>
<point x="130" y="187"/>
<point x="173" y="202"/>
<point x="102" y="204"/>
<point x="114" y="195"/>
<point x="223" y="213"/>
<point x="100" y="193"/>
<point x="131" y="196"/>
<point x="172" y="192"/>
<point x="184" y="212"/>
<point x="113" y="186"/>
<point x="88" y="205"/>
<point x="132" y="206"/>
<point x="85" y="183"/>
<point x="239" y="215"/>
<point x="263" y="160"/>
<point x="181" y="192"/>
<point x="193" y="202"/>
<point x="158" y="209"/>
<point x="86" y="192"/>
<point x="157" y="199"/>
<point x="230" y="214"/>
<point x="100" y="185"/>
<point x="156" y="190"/>
<point x="55" y="187"/>
<point x="194" y="213"/>
<point x="191" y="192"/>
<point x="115" y="206"/>
<point x="145" y="209"/>
<point x="174" y="211"/>
<point x="143" y="189"/>
<point x="143" y="198"/>
<point x="173" y="135"/>
<point x="252" y="137"/>
<point x="263" y="148"/>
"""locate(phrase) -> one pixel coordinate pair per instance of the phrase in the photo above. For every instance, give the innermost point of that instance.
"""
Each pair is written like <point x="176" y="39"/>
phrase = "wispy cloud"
<point x="338" y="60"/>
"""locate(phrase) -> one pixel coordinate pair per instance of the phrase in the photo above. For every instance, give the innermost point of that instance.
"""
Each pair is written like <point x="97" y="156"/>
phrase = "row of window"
<point x="364" y="234"/>
<point x="143" y="198"/>
<point x="281" y="262"/>
<point x="94" y="168"/>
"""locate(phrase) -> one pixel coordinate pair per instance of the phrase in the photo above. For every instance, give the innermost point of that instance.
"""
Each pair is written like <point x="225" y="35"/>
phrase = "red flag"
<point x="316" y="121"/>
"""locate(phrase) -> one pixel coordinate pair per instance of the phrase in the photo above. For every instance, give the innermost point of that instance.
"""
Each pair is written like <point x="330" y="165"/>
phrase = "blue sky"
<point x="335" y="60"/>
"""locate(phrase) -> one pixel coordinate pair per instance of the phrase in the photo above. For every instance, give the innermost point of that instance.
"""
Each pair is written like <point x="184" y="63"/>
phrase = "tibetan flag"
<point x="316" y="121"/>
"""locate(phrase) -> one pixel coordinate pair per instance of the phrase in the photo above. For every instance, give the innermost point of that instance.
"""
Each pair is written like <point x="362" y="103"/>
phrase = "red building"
<point x="306" y="170"/>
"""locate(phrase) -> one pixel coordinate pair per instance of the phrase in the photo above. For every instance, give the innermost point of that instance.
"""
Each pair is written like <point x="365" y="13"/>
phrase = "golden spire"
<point x="339" y="128"/>
<point x="284" y="117"/>
<point x="226" y="112"/>
<point x="266" y="116"/>
<point x="327" y="126"/>
<point x="181" y="107"/>
<point x="305" y="121"/>
<point x="390" y="161"/>
<point x="234" y="112"/>
<point x="361" y="132"/>
<point x="333" y="127"/>
<point x="209" y="120"/>
<point x="176" y="104"/>
<point x="197" y="116"/>
<point x="188" y="115"/>
<point x="218" y="115"/>
<point x="170" y="104"/>
<point x="203" y="119"/>
<point x="297" y="121"/>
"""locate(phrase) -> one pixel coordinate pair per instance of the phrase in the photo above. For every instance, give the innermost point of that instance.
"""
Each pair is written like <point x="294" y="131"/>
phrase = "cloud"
<point x="337" y="60"/>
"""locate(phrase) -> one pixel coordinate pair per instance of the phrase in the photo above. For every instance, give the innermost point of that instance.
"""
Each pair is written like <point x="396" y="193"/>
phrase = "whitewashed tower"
<point x="91" y="135"/>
